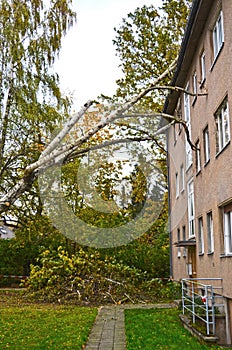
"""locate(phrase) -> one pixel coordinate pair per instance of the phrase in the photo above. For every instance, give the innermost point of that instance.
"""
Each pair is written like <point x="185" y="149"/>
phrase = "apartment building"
<point x="200" y="174"/>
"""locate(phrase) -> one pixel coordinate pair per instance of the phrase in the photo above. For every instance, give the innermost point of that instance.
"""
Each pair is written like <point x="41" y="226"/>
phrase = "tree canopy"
<point x="31" y="145"/>
<point x="31" y="103"/>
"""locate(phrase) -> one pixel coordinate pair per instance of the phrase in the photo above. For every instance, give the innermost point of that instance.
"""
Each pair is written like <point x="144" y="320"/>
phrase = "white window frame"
<point x="187" y="105"/>
<point x="223" y="126"/>
<point x="182" y="177"/>
<point x="177" y="185"/>
<point x="194" y="79"/>
<point x="206" y="144"/>
<point x="188" y="149"/>
<point x="191" y="209"/>
<point x="218" y="35"/>
<point x="203" y="67"/>
<point x="178" y="239"/>
<point x="210" y="235"/>
<point x="184" y="239"/>
<point x="228" y="232"/>
<point x="198" y="157"/>
<point x="200" y="236"/>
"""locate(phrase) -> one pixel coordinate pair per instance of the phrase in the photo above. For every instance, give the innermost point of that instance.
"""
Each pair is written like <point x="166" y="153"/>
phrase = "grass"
<point x="159" y="329"/>
<point x="45" y="326"/>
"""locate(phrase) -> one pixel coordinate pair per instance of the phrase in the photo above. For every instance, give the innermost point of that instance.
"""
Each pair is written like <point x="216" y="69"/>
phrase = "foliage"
<point x="45" y="327"/>
<point x="161" y="330"/>
<point x="146" y="42"/>
<point x="18" y="253"/>
<point x="86" y="278"/>
<point x="31" y="103"/>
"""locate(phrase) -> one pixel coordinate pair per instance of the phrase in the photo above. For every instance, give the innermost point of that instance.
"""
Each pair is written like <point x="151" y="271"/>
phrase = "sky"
<point x="87" y="64"/>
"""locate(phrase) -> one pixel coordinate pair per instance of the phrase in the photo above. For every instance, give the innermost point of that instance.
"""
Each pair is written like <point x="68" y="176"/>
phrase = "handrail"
<point x="200" y="300"/>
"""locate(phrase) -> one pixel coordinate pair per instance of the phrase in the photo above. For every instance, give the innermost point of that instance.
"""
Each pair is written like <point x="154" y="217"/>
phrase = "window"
<point x="198" y="157"/>
<point x="206" y="144"/>
<point x="210" y="233"/>
<point x="228" y="229"/>
<point x="178" y="239"/>
<point x="182" y="178"/>
<point x="218" y="35"/>
<point x="189" y="156"/>
<point x="188" y="124"/>
<point x="174" y="134"/>
<point x="187" y="105"/>
<point x="184" y="239"/>
<point x="203" y="69"/>
<point x="191" y="210"/>
<point x="222" y="126"/>
<point x="194" y="80"/>
<point x="177" y="185"/>
<point x="200" y="236"/>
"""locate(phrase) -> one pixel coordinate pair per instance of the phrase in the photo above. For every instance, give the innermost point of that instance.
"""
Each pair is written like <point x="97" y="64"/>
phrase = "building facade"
<point x="200" y="181"/>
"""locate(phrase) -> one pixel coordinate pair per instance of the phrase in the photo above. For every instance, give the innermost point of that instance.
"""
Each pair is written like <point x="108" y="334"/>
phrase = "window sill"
<point x="194" y="100"/>
<point x="210" y="253"/>
<point x="216" y="57"/>
<point x="206" y="163"/>
<point x="189" y="167"/>
<point x="202" y="83"/>
<point x="219" y="152"/>
<point x="226" y="255"/>
<point x="192" y="237"/>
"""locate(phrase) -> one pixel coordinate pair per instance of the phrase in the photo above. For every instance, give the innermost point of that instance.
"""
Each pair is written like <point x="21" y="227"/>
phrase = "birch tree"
<point x="30" y="99"/>
<point x="120" y="114"/>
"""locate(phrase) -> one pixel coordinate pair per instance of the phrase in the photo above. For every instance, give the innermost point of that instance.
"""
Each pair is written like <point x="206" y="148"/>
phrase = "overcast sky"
<point x="87" y="64"/>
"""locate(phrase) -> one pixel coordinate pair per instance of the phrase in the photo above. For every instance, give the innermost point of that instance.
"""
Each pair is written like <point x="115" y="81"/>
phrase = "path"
<point x="108" y="332"/>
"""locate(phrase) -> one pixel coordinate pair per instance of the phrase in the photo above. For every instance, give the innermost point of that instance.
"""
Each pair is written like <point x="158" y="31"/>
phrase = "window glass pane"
<point x="222" y="127"/>
<point x="228" y="232"/>
<point x="218" y="35"/>
<point x="200" y="236"/>
<point x="206" y="145"/>
<point x="210" y="232"/>
<point x="203" y="75"/>
<point x="191" y="211"/>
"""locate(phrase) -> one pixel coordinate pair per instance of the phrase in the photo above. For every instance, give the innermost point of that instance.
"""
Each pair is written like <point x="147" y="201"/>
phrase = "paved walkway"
<point x="108" y="332"/>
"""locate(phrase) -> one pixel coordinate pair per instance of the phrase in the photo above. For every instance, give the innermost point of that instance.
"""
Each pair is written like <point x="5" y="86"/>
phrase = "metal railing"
<point x="202" y="297"/>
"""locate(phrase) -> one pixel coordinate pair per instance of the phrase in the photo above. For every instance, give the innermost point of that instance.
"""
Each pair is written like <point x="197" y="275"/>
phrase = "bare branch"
<point x="52" y="154"/>
<point x="179" y="89"/>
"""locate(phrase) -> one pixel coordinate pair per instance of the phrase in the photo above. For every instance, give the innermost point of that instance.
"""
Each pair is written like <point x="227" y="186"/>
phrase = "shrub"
<point x="86" y="278"/>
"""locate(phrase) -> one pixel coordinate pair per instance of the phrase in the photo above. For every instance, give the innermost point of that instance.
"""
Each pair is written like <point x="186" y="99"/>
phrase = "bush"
<point x="85" y="278"/>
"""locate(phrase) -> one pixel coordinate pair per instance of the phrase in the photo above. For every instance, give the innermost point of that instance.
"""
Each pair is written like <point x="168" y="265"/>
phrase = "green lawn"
<point x="159" y="329"/>
<point x="45" y="327"/>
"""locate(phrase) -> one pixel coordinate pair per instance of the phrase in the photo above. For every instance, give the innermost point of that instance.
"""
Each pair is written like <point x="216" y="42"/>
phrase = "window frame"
<point x="184" y="239"/>
<point x="191" y="209"/>
<point x="182" y="178"/>
<point x="218" y="35"/>
<point x="187" y="118"/>
<point x="203" y="67"/>
<point x="227" y="230"/>
<point x="222" y="126"/>
<point x="210" y="234"/>
<point x="198" y="157"/>
<point x="200" y="236"/>
<point x="177" y="185"/>
<point x="206" y="140"/>
<point x="178" y="240"/>
<point x="195" y="86"/>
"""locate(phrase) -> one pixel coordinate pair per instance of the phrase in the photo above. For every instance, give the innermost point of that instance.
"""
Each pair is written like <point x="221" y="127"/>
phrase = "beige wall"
<point x="213" y="185"/>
